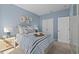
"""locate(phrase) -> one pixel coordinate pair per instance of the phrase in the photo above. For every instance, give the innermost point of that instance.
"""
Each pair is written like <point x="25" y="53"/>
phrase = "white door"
<point x="74" y="33"/>
<point x="47" y="27"/>
<point x="63" y="29"/>
<point x="44" y="26"/>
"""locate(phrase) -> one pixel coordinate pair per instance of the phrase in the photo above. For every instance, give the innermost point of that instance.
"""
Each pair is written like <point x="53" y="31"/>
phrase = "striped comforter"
<point x="32" y="44"/>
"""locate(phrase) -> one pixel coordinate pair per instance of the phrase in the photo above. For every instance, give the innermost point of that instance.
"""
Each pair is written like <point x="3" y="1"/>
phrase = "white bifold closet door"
<point x="63" y="29"/>
<point x="47" y="27"/>
<point x="74" y="33"/>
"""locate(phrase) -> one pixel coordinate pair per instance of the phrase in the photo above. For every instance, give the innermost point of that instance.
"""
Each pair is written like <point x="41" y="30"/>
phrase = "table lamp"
<point x="7" y="31"/>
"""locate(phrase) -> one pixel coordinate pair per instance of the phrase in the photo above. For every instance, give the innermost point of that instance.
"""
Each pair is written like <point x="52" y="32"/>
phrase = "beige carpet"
<point x="60" y="48"/>
<point x="57" y="48"/>
<point x="17" y="50"/>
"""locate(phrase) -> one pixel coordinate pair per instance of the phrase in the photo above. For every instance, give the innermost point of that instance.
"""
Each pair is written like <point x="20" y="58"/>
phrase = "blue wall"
<point x="55" y="16"/>
<point x="11" y="15"/>
<point x="73" y="10"/>
<point x="0" y="19"/>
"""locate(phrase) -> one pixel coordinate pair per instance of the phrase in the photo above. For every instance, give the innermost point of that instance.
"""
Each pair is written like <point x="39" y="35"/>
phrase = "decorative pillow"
<point x="28" y="29"/>
<point x="25" y="28"/>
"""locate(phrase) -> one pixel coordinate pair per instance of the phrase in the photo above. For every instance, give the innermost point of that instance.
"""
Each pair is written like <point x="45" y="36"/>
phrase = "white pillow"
<point x="20" y="29"/>
<point x="25" y="29"/>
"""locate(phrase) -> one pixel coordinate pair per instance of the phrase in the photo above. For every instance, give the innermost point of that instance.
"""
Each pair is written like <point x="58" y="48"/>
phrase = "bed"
<point x="30" y="43"/>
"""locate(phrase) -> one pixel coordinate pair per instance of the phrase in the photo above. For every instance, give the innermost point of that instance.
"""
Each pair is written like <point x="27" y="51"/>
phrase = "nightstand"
<point x="11" y="41"/>
<point x="7" y="43"/>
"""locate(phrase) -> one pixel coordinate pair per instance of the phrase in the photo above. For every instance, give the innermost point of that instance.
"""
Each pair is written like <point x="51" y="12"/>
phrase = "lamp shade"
<point x="7" y="29"/>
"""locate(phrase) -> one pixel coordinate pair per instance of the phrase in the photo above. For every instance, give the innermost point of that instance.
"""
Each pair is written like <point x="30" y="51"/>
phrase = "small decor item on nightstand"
<point x="8" y="34"/>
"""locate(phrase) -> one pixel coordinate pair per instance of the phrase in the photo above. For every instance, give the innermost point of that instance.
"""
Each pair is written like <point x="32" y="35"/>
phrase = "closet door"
<point x="47" y="27"/>
<point x="63" y="29"/>
<point x="74" y="33"/>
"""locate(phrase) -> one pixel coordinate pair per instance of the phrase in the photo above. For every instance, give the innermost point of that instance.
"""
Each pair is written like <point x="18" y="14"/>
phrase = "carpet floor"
<point x="59" y="48"/>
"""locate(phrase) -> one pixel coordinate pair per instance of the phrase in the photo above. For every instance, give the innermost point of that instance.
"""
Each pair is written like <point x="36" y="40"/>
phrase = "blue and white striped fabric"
<point x="32" y="44"/>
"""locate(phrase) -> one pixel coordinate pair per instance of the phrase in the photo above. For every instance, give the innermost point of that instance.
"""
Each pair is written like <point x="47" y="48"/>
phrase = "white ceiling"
<point x="41" y="9"/>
